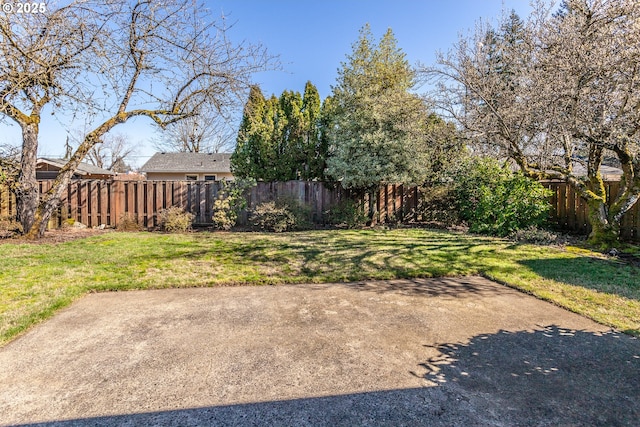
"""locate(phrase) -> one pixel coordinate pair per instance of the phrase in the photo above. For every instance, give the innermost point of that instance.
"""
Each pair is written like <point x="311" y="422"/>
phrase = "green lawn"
<point x="38" y="279"/>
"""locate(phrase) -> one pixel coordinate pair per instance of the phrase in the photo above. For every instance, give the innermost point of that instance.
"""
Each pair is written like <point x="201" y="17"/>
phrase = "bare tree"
<point x="112" y="60"/>
<point x="559" y="90"/>
<point x="112" y="154"/>
<point x="207" y="132"/>
<point x="9" y="164"/>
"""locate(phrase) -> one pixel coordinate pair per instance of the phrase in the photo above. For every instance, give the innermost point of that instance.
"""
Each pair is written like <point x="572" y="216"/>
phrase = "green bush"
<point x="279" y="216"/>
<point x="346" y="214"/>
<point x="224" y="217"/>
<point x="231" y="201"/>
<point x="269" y="217"/>
<point x="493" y="200"/>
<point x="438" y="204"/>
<point x="175" y="219"/>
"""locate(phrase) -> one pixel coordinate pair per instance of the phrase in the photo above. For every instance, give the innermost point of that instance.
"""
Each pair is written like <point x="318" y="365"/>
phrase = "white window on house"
<point x="192" y="177"/>
<point x="209" y="177"/>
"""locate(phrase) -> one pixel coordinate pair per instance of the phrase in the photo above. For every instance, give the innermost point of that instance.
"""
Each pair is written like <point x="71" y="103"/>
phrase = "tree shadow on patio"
<point x="550" y="376"/>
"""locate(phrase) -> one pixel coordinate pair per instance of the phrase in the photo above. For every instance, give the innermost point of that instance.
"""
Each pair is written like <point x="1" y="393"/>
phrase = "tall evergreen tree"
<point x="377" y="130"/>
<point x="313" y="149"/>
<point x="290" y="154"/>
<point x="280" y="138"/>
<point x="247" y="159"/>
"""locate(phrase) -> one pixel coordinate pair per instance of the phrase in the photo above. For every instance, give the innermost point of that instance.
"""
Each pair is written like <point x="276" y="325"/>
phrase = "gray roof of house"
<point x="83" y="168"/>
<point x="188" y="162"/>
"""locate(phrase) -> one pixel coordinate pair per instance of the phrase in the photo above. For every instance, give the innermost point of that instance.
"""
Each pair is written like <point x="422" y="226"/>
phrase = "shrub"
<point x="438" y="204"/>
<point x="494" y="200"/>
<point x="283" y="215"/>
<point x="126" y="222"/>
<point x="224" y="217"/>
<point x="301" y="212"/>
<point x="346" y="214"/>
<point x="175" y="220"/>
<point x="231" y="201"/>
<point x="269" y="217"/>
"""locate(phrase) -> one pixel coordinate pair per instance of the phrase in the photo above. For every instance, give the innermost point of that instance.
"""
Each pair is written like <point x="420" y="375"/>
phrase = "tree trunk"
<point x="41" y="217"/>
<point x="605" y="231"/>
<point x="51" y="200"/>
<point x="26" y="189"/>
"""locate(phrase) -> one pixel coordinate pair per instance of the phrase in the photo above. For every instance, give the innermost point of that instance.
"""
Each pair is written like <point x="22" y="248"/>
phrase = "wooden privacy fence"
<point x="569" y="210"/>
<point x="314" y="194"/>
<point x="94" y="203"/>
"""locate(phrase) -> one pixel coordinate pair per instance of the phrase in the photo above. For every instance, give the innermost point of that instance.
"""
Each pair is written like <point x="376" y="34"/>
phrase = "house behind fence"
<point x="94" y="202"/>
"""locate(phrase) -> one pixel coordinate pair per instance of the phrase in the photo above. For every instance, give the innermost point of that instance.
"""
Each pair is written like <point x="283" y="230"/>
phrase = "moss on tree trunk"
<point x="605" y="231"/>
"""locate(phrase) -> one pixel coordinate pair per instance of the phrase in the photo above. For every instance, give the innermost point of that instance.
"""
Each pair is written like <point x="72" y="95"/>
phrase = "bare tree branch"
<point x="110" y="61"/>
<point x="552" y="92"/>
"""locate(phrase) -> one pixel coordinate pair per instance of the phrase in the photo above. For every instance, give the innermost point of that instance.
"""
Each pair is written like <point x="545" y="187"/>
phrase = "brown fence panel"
<point x="582" y="217"/>
<point x="569" y="211"/>
<point x="139" y="202"/>
<point x="149" y="201"/>
<point x="571" y="208"/>
<point x="117" y="202"/>
<point x="73" y="202"/>
<point x="105" y="202"/>
<point x="562" y="206"/>
<point x="93" y="203"/>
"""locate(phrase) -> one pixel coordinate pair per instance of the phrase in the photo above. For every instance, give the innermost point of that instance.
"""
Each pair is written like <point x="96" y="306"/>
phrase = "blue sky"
<point x="312" y="38"/>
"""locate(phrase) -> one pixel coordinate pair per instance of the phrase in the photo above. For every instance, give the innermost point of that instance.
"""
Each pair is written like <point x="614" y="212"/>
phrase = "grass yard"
<point x="38" y="279"/>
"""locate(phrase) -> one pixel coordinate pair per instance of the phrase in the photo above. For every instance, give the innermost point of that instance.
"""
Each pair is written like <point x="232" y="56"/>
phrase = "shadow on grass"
<point x="330" y="255"/>
<point x="592" y="273"/>
<point x="553" y="376"/>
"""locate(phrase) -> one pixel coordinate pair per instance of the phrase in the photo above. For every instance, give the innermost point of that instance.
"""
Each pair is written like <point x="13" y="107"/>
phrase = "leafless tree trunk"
<point x="555" y="94"/>
<point x="112" y="60"/>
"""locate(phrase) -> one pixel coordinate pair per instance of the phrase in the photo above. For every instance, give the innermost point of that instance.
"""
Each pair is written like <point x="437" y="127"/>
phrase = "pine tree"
<point x="290" y="145"/>
<point x="280" y="138"/>
<point x="377" y="131"/>
<point x="247" y="159"/>
<point x="313" y="150"/>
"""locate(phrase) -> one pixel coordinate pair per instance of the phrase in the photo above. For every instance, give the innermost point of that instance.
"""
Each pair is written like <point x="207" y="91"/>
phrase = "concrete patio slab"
<point x="452" y="351"/>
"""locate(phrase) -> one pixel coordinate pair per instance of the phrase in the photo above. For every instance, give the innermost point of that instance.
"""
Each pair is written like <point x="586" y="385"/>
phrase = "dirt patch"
<point x="57" y="236"/>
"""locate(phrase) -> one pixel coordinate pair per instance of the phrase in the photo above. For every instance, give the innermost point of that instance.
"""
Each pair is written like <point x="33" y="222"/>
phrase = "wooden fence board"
<point x="105" y="202"/>
<point x="93" y="205"/>
<point x="149" y="195"/>
<point x="139" y="200"/>
<point x="83" y="202"/>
